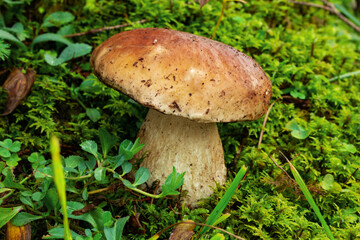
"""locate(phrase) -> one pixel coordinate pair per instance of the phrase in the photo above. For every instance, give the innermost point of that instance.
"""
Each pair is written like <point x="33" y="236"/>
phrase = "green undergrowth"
<point x="315" y="121"/>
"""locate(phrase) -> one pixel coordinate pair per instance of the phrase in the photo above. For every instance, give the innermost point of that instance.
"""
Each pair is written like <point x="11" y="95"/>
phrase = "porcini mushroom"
<point x="189" y="83"/>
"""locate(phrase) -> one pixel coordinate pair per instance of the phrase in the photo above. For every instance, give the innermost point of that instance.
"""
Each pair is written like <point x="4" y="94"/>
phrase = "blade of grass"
<point x="346" y="75"/>
<point x="343" y="10"/>
<point x="310" y="199"/>
<point x="214" y="215"/>
<point x="59" y="180"/>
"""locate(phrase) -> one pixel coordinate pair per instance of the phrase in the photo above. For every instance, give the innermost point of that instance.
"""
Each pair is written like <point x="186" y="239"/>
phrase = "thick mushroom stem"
<point x="192" y="147"/>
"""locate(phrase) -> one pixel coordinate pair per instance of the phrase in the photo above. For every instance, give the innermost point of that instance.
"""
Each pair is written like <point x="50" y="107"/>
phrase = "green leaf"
<point x="6" y="143"/>
<point x="13" y="160"/>
<point x="327" y="182"/>
<point x="37" y="158"/>
<point x="4" y="152"/>
<point x="38" y="196"/>
<point x="348" y="148"/>
<point x="107" y="141"/>
<point x="85" y="194"/>
<point x="65" y="30"/>
<point x="89" y="85"/>
<point x="50" y="37"/>
<point x="23" y="218"/>
<point x="93" y="217"/>
<point x="214" y="215"/>
<point x="73" y="161"/>
<point x="126" y="167"/>
<point x="218" y="236"/>
<point x="127" y="183"/>
<point x="58" y="233"/>
<point x="57" y="19"/>
<point x="125" y="148"/>
<point x="142" y="175"/>
<point x="6" y="214"/>
<point x="8" y="36"/>
<point x="9" y="181"/>
<point x="51" y="199"/>
<point x="116" y="161"/>
<point x="90" y="147"/>
<point x="298" y="94"/>
<point x="15" y="147"/>
<point x="167" y="191"/>
<point x="174" y="180"/>
<point x="93" y="114"/>
<point x="99" y="173"/>
<point x="129" y="149"/>
<point x="297" y="131"/>
<point x="72" y="51"/>
<point x="115" y="233"/>
<point x="27" y="201"/>
<point x="137" y="146"/>
<point x="107" y="219"/>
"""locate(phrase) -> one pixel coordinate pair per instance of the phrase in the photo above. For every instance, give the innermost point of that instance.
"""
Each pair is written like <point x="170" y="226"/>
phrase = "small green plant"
<point x="79" y="176"/>
<point x="215" y="216"/>
<point x="54" y="20"/>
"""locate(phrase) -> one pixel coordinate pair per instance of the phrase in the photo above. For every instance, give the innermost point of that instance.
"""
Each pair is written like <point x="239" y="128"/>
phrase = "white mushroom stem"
<point x="192" y="147"/>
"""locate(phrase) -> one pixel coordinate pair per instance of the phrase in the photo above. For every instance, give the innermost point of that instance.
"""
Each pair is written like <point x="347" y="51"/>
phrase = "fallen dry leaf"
<point x="183" y="231"/>
<point x="17" y="85"/>
<point x="84" y="210"/>
<point x="18" y="233"/>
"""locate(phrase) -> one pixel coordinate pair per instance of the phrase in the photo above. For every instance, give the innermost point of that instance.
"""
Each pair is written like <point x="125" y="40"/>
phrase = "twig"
<point x="280" y="167"/>
<point x="352" y="175"/>
<point x="311" y="5"/>
<point x="198" y="224"/>
<point x="332" y="9"/>
<point x="264" y="123"/>
<point x="93" y="31"/>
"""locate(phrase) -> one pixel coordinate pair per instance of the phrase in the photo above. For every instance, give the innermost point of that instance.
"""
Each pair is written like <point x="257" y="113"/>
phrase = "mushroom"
<point x="189" y="83"/>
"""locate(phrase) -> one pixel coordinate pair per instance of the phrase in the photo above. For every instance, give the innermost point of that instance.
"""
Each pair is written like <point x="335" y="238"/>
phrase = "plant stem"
<point x="26" y="178"/>
<point x="136" y="189"/>
<point x="80" y="178"/>
<point x="219" y="20"/>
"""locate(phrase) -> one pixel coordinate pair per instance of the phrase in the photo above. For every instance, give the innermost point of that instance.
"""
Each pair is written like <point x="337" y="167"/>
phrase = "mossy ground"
<point x="301" y="48"/>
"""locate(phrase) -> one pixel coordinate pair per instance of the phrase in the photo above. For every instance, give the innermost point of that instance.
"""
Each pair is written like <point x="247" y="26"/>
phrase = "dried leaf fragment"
<point x="18" y="233"/>
<point x="18" y="86"/>
<point x="203" y="2"/>
<point x="183" y="231"/>
<point x="84" y="210"/>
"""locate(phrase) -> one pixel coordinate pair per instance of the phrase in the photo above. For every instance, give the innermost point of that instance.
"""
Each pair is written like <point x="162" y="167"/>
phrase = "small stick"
<point x="352" y="175"/>
<point x="332" y="9"/>
<point x="264" y="123"/>
<point x="157" y="187"/>
<point x="280" y="167"/>
<point x="93" y="31"/>
<point x="311" y="5"/>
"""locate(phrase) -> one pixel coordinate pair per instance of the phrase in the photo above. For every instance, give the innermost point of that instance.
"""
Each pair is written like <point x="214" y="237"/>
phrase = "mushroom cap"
<point x="184" y="74"/>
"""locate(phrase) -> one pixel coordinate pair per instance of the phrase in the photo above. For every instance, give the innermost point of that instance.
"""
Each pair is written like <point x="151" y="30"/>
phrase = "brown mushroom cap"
<point x="183" y="74"/>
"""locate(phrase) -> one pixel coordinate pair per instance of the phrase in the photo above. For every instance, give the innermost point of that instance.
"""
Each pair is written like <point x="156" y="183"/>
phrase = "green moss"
<point x="301" y="48"/>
